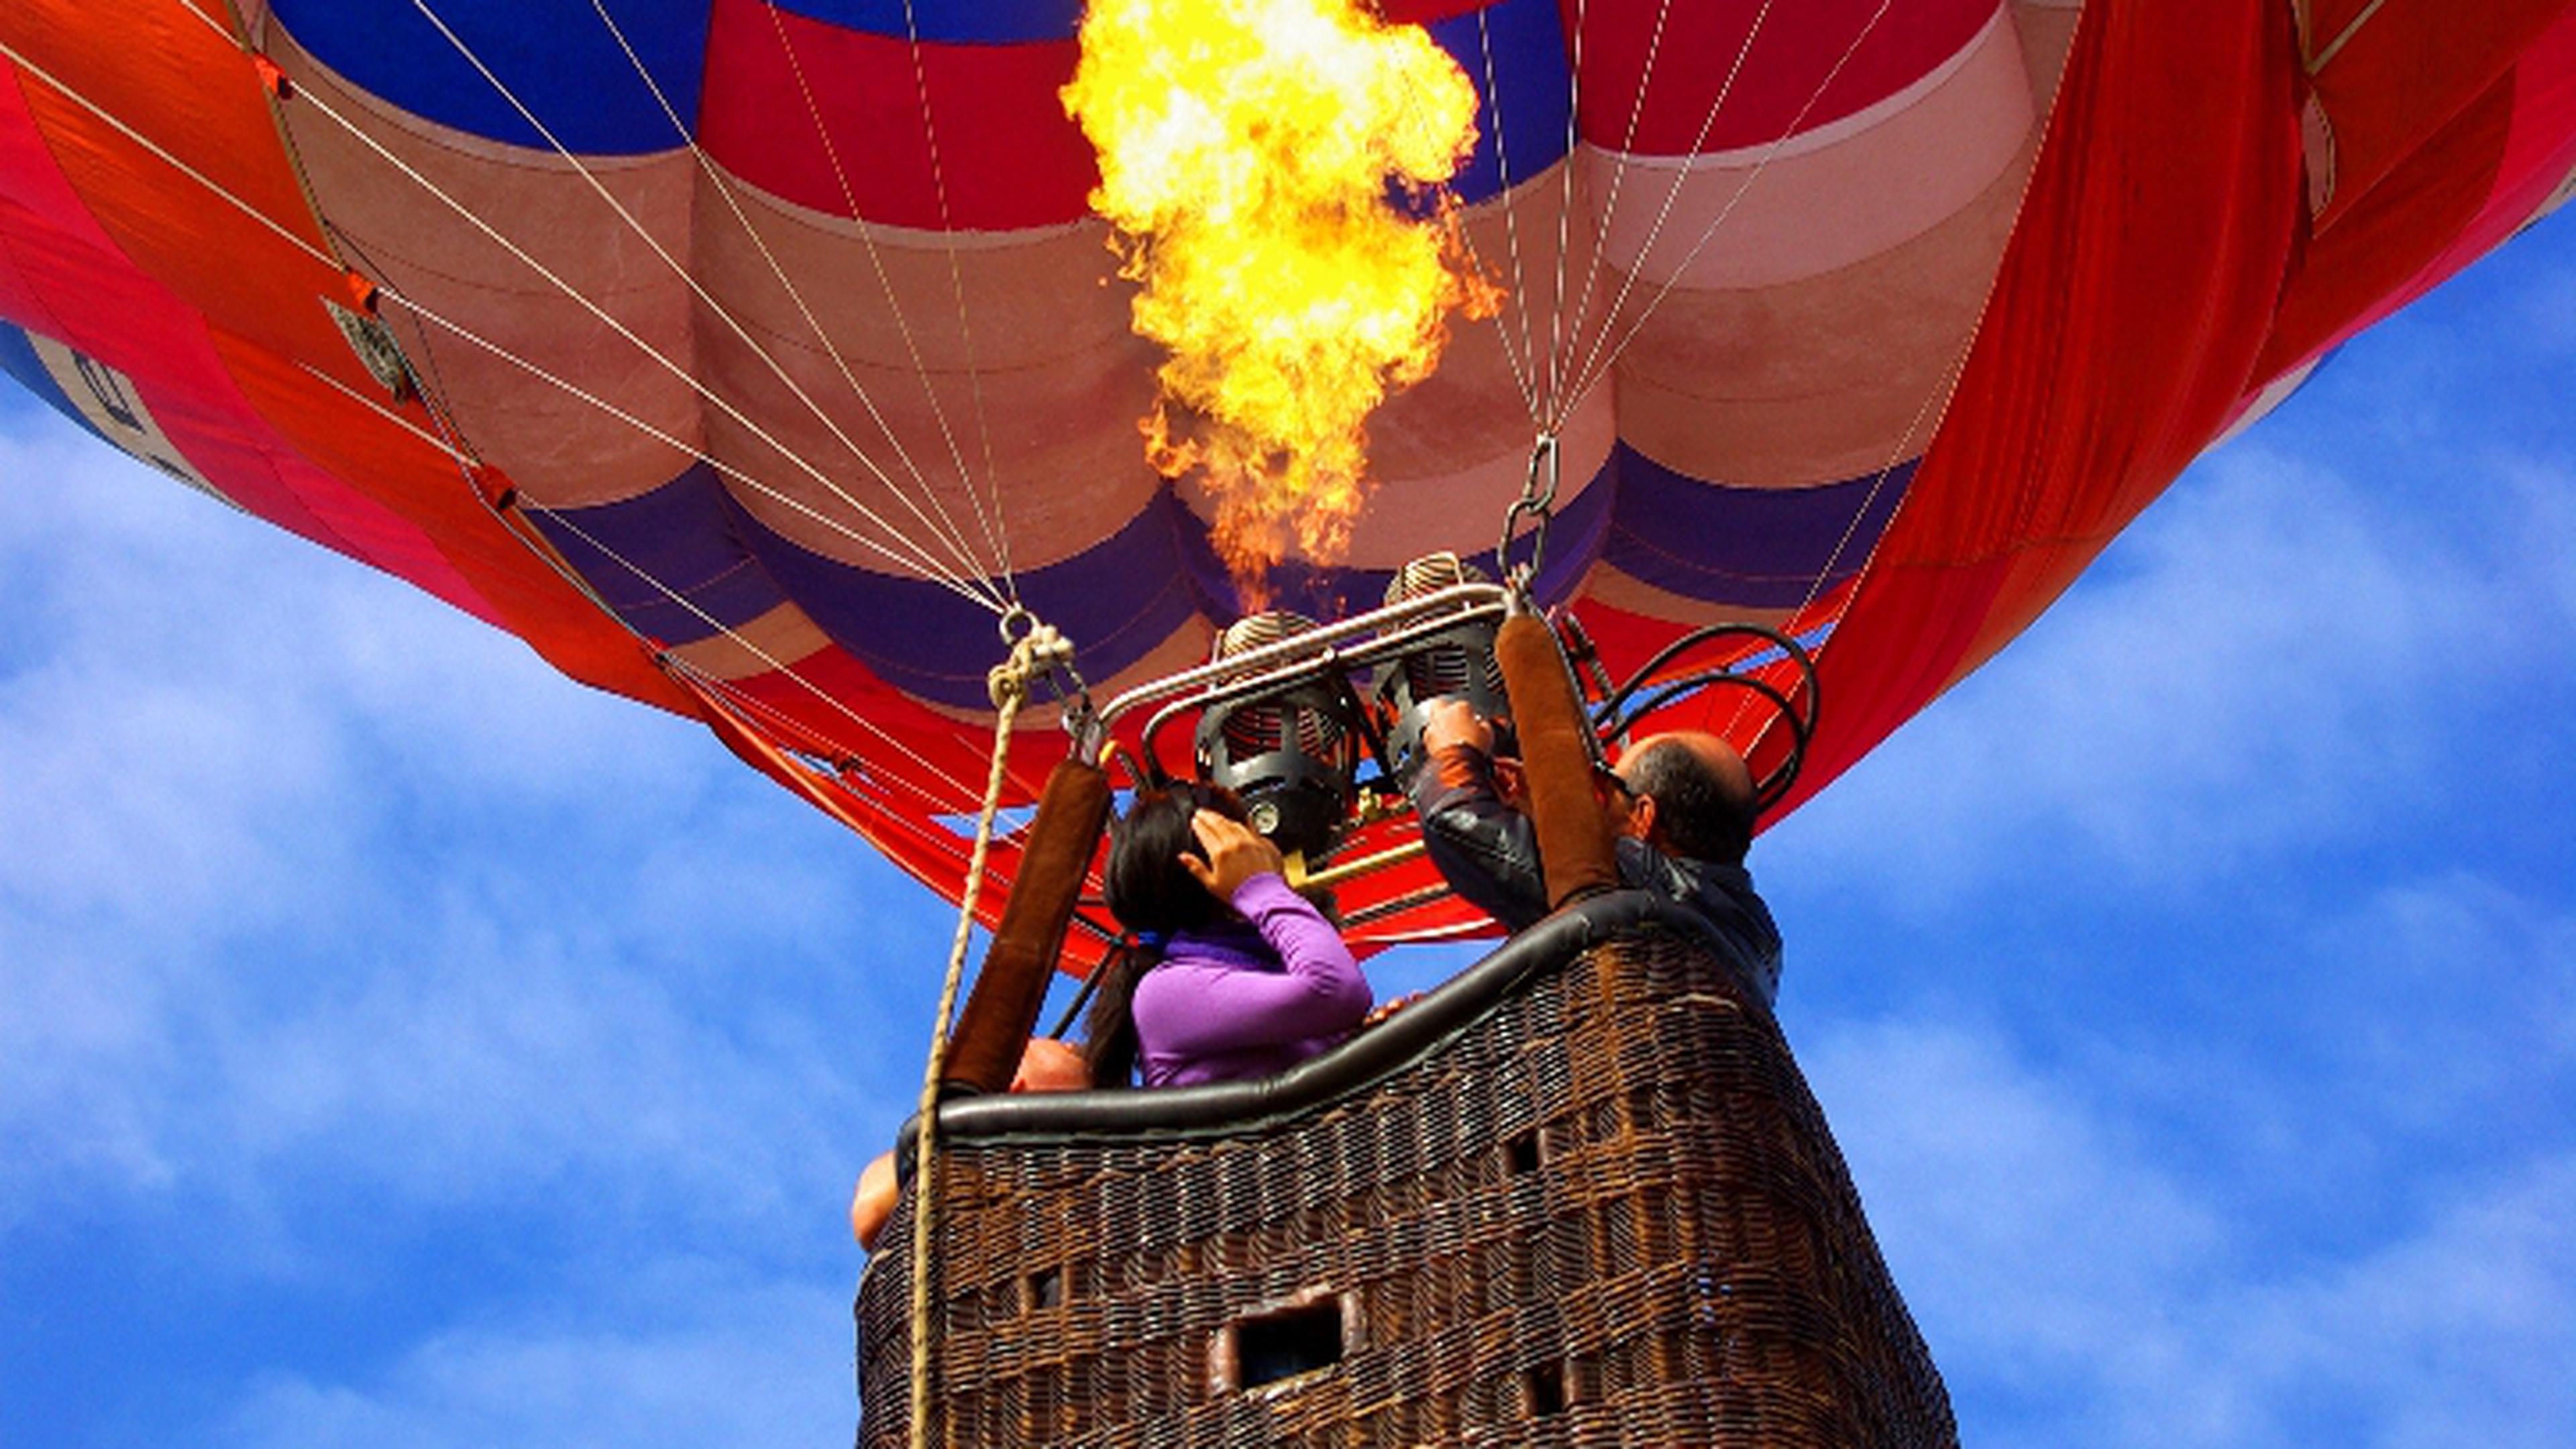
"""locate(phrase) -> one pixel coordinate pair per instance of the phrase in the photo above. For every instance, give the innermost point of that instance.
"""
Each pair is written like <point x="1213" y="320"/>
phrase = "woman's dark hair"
<point x="1149" y="890"/>
<point x="1153" y="895"/>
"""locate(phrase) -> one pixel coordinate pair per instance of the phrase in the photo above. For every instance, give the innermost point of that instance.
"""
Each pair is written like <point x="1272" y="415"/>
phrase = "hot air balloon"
<point x="754" y="360"/>
<point x="763" y="362"/>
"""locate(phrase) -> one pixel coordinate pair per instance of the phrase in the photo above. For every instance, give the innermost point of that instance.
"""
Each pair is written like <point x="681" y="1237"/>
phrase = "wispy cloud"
<point x="688" y="1360"/>
<point x="2271" y="656"/>
<point x="333" y="873"/>
<point x="2080" y="1286"/>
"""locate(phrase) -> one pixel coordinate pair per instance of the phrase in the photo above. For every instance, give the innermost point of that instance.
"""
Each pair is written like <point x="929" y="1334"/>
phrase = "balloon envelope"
<point x="753" y="353"/>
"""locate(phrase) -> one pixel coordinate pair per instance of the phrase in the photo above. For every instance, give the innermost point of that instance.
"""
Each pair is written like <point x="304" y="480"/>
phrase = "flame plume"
<point x="1246" y="149"/>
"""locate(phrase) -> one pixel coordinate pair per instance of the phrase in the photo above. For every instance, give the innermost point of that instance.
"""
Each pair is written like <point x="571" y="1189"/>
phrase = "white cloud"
<point x="2081" y="1284"/>
<point x="2270" y="659"/>
<point x="2456" y="1335"/>
<point x="326" y="873"/>
<point x="1996" y="1192"/>
<point x="693" y="1360"/>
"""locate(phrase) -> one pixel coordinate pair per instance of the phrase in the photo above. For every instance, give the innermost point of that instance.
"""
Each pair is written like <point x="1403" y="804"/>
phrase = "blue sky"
<point x="401" y="1045"/>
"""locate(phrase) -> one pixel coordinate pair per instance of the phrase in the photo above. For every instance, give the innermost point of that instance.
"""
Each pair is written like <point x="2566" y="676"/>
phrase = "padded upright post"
<point x="1574" y="840"/>
<point x="984" y="1053"/>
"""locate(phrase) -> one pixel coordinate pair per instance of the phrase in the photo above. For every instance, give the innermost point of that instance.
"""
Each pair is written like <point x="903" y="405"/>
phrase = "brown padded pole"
<point x="984" y="1052"/>
<point x="1574" y="841"/>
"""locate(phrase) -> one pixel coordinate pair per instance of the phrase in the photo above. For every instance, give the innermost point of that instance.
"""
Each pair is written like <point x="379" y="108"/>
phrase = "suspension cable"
<point x="452" y="444"/>
<point x="724" y="187"/>
<point x="930" y="573"/>
<point x="1597" y="361"/>
<point x="926" y="562"/>
<point x="164" y="155"/>
<point x="964" y="556"/>
<point x="956" y="278"/>
<point x="921" y="369"/>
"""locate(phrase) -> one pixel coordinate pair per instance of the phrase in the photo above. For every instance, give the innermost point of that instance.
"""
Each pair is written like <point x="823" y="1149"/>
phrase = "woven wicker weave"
<point x="1584" y="1198"/>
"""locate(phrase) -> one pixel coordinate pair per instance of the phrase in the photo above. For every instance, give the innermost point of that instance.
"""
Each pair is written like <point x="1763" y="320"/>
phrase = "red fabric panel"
<point x="354" y="443"/>
<point x="2131" y="303"/>
<point x="22" y="162"/>
<point x="421" y="483"/>
<point x="1789" y="81"/>
<point x="170" y="77"/>
<point x="2535" y="155"/>
<point x="919" y="854"/>
<point x="919" y="761"/>
<point x="89" y="295"/>
<point x="1007" y="155"/>
<point x="195" y="93"/>
<point x="1429" y="12"/>
<point x="101" y="305"/>
<point x="2407" y="220"/>
<point x="2408" y="70"/>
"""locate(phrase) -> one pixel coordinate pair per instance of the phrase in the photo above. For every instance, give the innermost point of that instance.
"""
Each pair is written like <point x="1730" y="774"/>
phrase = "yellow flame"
<point x="1245" y="152"/>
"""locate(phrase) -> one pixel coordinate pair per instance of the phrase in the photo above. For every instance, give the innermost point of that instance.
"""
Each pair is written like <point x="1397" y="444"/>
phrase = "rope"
<point x="1038" y="650"/>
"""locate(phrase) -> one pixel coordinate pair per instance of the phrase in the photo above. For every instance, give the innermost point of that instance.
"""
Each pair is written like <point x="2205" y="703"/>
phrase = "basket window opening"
<point x="1545" y="1384"/>
<point x="1287" y="1343"/>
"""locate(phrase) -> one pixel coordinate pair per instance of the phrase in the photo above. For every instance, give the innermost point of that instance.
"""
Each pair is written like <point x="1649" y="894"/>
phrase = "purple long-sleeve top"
<point x="1248" y="998"/>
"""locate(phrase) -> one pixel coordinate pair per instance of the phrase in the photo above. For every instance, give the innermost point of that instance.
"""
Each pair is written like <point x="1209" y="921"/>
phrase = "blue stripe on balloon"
<point x="1574" y="536"/>
<point x="1116" y="600"/>
<point x="557" y="56"/>
<point x="1514" y="53"/>
<point x="957" y="22"/>
<point x="1761" y="548"/>
<point x="677" y="539"/>
<point x="1764" y="548"/>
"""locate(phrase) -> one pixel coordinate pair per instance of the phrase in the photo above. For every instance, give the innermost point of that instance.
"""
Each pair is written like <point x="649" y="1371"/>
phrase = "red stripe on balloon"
<point x="1805" y="65"/>
<point x="939" y="137"/>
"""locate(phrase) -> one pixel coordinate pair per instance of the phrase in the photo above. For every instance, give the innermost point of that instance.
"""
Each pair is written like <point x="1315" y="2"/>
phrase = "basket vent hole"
<point x="1522" y="1153"/>
<point x="1546" y="1384"/>
<point x="1284" y="1344"/>
<point x="1045" y="1288"/>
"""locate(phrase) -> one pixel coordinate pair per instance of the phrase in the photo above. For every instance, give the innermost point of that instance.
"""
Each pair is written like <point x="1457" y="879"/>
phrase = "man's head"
<point x="1688" y="794"/>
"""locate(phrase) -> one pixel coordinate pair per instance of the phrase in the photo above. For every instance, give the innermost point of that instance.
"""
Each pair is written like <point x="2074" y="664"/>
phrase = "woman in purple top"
<point x="1238" y="976"/>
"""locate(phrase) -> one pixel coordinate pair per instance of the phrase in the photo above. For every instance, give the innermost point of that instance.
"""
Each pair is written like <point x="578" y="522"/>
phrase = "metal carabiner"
<point x="1538" y="503"/>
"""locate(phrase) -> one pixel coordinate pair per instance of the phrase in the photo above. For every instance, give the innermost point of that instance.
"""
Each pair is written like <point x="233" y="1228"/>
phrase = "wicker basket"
<point x="1580" y="1195"/>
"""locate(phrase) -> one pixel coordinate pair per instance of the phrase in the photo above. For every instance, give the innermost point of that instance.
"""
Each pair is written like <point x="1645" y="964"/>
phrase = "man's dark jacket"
<point x="1488" y="852"/>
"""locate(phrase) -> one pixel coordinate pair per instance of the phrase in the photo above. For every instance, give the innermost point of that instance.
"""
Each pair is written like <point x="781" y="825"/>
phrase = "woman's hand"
<point x="1235" y="854"/>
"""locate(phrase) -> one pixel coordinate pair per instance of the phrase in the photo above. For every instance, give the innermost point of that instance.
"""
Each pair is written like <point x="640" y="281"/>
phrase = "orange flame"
<point x="1245" y="152"/>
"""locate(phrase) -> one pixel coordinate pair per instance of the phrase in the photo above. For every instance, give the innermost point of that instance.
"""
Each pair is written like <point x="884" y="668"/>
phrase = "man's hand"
<point x="1235" y="854"/>
<point x="1451" y="721"/>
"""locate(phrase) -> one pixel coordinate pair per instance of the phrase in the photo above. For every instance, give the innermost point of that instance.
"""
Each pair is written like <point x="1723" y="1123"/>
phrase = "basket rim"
<point x="1338" y="1074"/>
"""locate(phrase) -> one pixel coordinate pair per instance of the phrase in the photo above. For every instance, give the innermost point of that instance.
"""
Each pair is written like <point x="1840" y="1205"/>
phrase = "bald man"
<point x="1682" y="804"/>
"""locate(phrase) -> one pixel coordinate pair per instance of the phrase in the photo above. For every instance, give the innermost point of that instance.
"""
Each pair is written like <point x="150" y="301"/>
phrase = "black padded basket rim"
<point x="1418" y="1031"/>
